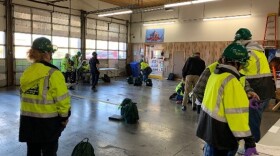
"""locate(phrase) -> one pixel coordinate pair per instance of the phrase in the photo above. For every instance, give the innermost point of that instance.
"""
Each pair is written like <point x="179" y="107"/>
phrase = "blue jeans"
<point x="209" y="150"/>
<point x="255" y="117"/>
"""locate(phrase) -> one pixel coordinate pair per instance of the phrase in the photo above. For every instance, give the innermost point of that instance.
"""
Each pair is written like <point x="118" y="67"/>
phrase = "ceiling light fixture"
<point x="186" y="3"/>
<point x="158" y="23"/>
<point x="226" y="17"/>
<point x="115" y="13"/>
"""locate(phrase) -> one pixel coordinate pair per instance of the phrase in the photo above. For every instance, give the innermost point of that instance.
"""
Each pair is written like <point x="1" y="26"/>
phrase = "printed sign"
<point x="154" y="35"/>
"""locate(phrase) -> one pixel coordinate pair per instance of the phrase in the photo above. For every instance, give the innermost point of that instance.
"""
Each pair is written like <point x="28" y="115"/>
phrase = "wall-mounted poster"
<point x="154" y="35"/>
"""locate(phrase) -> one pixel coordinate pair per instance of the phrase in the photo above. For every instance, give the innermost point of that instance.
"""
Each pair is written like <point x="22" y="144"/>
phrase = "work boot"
<point x="94" y="89"/>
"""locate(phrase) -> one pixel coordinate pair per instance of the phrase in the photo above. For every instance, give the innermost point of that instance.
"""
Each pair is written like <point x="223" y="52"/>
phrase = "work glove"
<point x="251" y="151"/>
<point x="254" y="103"/>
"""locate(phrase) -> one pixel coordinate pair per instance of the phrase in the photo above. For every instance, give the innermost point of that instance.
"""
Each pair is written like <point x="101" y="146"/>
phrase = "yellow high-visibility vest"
<point x="44" y="93"/>
<point x="226" y="101"/>
<point x="258" y="66"/>
<point x="144" y="65"/>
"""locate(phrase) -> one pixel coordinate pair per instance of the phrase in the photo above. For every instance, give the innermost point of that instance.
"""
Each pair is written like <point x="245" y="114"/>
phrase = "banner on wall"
<point x="154" y="35"/>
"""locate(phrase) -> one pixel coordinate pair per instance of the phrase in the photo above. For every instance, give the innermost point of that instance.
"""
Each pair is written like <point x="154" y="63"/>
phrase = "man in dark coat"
<point x="192" y="69"/>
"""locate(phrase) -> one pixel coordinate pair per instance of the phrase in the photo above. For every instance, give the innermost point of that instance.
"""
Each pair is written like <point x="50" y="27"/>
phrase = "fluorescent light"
<point x="226" y="17"/>
<point x="186" y="3"/>
<point x="201" y="1"/>
<point x="177" y="4"/>
<point x="158" y="23"/>
<point x="115" y="13"/>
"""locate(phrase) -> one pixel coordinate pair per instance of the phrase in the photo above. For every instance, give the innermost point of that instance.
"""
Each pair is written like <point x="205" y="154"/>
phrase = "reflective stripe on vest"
<point x="261" y="68"/>
<point x="214" y="114"/>
<point x="44" y="100"/>
<point x="39" y="115"/>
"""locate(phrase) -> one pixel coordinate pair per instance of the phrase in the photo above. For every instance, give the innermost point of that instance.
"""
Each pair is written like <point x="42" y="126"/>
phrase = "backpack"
<point x="106" y="78"/>
<point x="129" y="111"/>
<point x="130" y="80"/>
<point x="171" y="76"/>
<point x="83" y="148"/>
<point x="149" y="82"/>
<point x="138" y="81"/>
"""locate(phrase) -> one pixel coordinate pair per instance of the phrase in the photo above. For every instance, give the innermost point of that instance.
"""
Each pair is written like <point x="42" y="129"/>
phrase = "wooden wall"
<point x="210" y="52"/>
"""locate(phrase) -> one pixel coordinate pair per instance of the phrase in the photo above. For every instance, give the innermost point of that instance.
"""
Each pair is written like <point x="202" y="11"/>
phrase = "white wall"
<point x="190" y="27"/>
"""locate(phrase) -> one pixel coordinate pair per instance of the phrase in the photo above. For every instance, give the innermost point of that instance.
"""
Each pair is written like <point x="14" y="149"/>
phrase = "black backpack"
<point x="171" y="76"/>
<point x="138" y="81"/>
<point x="130" y="80"/>
<point x="106" y="78"/>
<point x="149" y="82"/>
<point x="83" y="148"/>
<point x="129" y="111"/>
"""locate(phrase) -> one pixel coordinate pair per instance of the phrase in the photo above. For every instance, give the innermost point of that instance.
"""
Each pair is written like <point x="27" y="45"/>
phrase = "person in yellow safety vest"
<point x="76" y="60"/>
<point x="199" y="88"/>
<point x="146" y="69"/>
<point x="45" y="101"/>
<point x="224" y="117"/>
<point x="180" y="89"/>
<point x="66" y="67"/>
<point x="259" y="76"/>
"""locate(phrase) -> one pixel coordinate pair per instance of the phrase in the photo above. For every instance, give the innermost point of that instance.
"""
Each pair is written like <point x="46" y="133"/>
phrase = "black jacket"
<point x="193" y="66"/>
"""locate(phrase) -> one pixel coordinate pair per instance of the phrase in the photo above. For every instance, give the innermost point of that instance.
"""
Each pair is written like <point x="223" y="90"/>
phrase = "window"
<point x="2" y="42"/>
<point x="21" y="52"/>
<point x="102" y="54"/>
<point x="2" y="51"/>
<point x="89" y="54"/>
<point x="2" y="37"/>
<point x="122" y="46"/>
<point x="90" y="44"/>
<point x="22" y="39"/>
<point x="60" y="41"/>
<point x="60" y="53"/>
<point x="75" y="43"/>
<point x="74" y="51"/>
<point x="113" y="46"/>
<point x="102" y="44"/>
<point x="113" y="54"/>
<point x="122" y="55"/>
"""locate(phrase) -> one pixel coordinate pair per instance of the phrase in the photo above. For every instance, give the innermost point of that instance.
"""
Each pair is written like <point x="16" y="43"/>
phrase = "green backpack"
<point x="129" y="111"/>
<point x="83" y="148"/>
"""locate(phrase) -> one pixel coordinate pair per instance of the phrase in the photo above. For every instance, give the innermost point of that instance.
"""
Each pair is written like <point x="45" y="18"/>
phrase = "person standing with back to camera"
<point x="94" y="63"/>
<point x="259" y="75"/>
<point x="45" y="101"/>
<point x="225" y="107"/>
<point x="191" y="71"/>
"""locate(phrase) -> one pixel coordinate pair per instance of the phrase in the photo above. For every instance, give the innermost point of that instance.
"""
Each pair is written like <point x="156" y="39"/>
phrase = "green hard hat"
<point x="243" y="33"/>
<point x="237" y="53"/>
<point x="43" y="45"/>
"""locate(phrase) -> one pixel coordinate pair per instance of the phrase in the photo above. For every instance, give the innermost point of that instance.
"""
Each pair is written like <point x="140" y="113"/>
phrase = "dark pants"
<point x="212" y="151"/>
<point x="73" y="77"/>
<point x="67" y="75"/>
<point x="94" y="78"/>
<point x="146" y="72"/>
<point x="255" y="116"/>
<point x="42" y="149"/>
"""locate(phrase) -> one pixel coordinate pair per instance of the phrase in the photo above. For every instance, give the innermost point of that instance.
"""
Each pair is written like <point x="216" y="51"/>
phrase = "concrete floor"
<point x="163" y="129"/>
